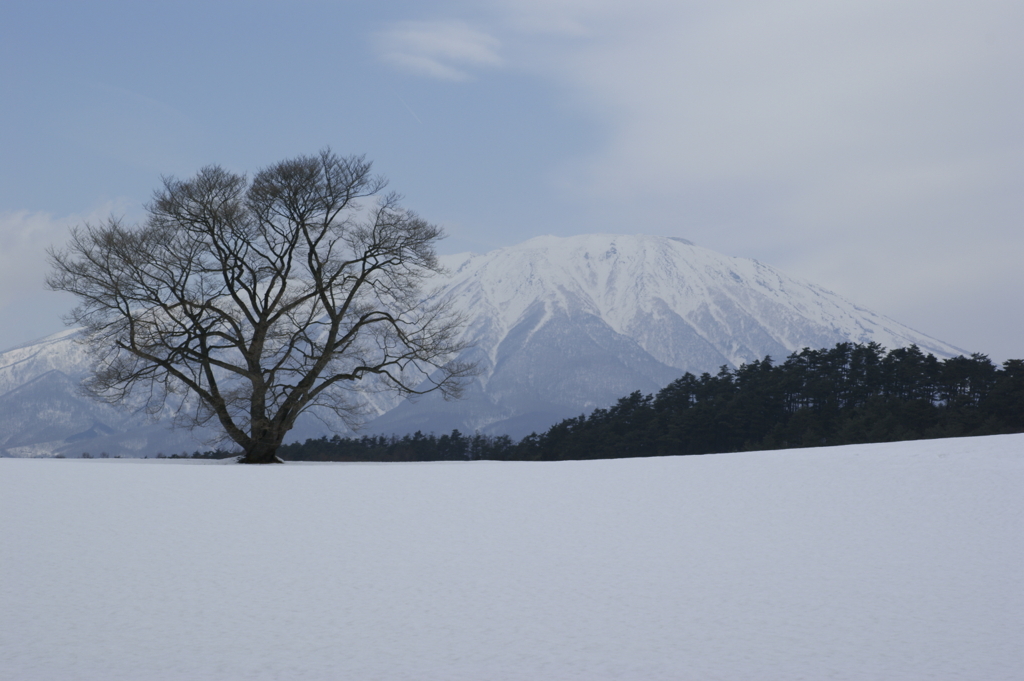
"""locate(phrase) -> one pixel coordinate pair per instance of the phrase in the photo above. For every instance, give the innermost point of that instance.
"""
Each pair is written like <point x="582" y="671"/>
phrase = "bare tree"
<point x="263" y="299"/>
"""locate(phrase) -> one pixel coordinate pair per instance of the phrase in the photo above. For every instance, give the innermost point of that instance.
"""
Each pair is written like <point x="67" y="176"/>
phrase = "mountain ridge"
<point x="558" y="326"/>
<point x="685" y="307"/>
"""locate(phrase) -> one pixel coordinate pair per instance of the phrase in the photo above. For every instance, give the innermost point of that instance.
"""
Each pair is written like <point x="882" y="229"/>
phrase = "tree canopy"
<point x="244" y="302"/>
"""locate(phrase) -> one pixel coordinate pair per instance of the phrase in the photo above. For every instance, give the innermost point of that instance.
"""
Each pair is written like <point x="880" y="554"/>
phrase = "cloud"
<point x="872" y="147"/>
<point x="447" y="50"/>
<point x="564" y="18"/>
<point x="24" y="237"/>
<point x="787" y="90"/>
<point x="24" y="300"/>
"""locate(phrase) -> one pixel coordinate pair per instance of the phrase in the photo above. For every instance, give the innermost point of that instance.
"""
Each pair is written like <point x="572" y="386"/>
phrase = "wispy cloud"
<point x="447" y="50"/>
<point x="567" y="18"/>
<point x="24" y="238"/>
<point x="832" y="139"/>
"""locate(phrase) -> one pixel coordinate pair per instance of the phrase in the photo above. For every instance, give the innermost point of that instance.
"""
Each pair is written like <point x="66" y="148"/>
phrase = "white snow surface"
<point x="890" y="561"/>
<point x="631" y="282"/>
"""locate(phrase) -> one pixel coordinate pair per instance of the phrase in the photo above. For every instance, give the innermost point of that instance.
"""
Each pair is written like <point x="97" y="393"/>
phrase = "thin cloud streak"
<point x="446" y="50"/>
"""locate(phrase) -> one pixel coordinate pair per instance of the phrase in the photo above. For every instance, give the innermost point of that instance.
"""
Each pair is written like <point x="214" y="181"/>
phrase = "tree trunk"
<point x="261" y="452"/>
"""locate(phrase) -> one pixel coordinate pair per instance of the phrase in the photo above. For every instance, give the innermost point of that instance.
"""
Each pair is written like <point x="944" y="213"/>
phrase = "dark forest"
<point x="849" y="394"/>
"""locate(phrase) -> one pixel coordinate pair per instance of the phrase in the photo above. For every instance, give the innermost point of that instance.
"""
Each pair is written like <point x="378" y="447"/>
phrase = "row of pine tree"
<point x="849" y="394"/>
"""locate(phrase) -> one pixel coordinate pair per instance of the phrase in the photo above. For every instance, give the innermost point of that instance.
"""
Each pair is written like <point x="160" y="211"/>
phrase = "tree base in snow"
<point x="259" y="459"/>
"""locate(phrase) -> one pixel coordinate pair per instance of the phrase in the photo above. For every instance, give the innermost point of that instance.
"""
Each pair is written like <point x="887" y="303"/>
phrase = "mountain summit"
<point x="559" y="326"/>
<point x="563" y="325"/>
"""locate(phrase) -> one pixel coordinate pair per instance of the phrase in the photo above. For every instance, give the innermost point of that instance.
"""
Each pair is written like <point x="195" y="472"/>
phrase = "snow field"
<point x="895" y="561"/>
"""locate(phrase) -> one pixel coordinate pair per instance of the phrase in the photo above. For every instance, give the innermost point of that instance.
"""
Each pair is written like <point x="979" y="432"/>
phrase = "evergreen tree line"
<point x="849" y="394"/>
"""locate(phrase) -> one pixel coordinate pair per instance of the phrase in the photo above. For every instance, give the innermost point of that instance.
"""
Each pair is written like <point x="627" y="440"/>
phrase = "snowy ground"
<point x="902" y="561"/>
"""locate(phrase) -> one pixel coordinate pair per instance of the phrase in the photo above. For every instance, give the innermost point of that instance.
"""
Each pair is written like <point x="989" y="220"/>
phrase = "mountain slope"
<point x="559" y="326"/>
<point x="563" y="325"/>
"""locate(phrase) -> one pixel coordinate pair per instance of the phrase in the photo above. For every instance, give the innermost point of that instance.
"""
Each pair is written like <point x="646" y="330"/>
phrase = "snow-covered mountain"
<point x="559" y="326"/>
<point x="564" y="325"/>
<point x="42" y="412"/>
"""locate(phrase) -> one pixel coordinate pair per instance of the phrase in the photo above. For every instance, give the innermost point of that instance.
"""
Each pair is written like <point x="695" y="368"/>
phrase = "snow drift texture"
<point x="901" y="561"/>
<point x="559" y="326"/>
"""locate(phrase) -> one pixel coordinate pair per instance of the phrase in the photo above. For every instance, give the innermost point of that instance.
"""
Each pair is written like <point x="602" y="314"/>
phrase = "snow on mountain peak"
<point x="558" y="326"/>
<point x="633" y="282"/>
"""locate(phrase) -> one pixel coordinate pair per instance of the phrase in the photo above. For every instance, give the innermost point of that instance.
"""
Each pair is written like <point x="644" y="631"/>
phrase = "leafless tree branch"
<point x="263" y="298"/>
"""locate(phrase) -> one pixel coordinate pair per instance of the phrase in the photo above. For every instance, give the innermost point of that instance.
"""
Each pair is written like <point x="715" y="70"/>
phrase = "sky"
<point x="873" y="148"/>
